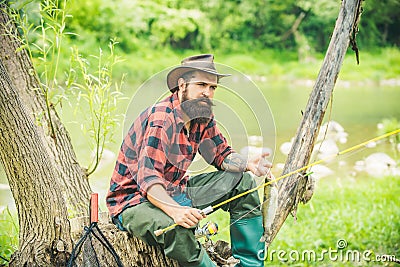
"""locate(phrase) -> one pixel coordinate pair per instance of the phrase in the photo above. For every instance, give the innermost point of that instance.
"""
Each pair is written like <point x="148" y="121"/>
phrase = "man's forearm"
<point x="159" y="197"/>
<point x="234" y="163"/>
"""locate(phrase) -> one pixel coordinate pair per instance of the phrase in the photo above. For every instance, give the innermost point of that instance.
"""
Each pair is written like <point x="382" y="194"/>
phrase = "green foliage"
<point x="389" y="125"/>
<point x="139" y="24"/>
<point x="380" y="23"/>
<point x="8" y="236"/>
<point x="97" y="98"/>
<point x="42" y="29"/>
<point x="218" y="24"/>
<point x="42" y="25"/>
<point x="226" y="25"/>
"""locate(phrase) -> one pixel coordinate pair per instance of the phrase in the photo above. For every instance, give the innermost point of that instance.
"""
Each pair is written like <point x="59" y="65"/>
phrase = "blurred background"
<point x="275" y="50"/>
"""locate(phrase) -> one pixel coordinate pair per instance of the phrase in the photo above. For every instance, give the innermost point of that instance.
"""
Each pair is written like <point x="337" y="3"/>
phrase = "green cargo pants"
<point x="203" y="190"/>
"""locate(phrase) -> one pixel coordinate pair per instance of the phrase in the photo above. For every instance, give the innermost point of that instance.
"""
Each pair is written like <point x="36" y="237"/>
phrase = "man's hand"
<point x="183" y="216"/>
<point x="186" y="216"/>
<point x="259" y="166"/>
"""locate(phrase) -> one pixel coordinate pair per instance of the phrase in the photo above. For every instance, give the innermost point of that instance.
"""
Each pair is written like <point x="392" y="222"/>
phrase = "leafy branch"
<point x="41" y="26"/>
<point x="97" y="93"/>
<point x="41" y="29"/>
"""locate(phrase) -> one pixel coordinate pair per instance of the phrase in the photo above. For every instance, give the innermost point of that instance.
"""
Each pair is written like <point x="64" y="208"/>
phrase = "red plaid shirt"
<point x="158" y="150"/>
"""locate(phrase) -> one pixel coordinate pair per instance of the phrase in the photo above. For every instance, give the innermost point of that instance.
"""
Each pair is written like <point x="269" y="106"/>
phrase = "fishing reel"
<point x="208" y="230"/>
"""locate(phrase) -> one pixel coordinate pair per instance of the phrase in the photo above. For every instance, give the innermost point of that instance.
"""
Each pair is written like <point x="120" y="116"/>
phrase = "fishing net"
<point x="93" y="249"/>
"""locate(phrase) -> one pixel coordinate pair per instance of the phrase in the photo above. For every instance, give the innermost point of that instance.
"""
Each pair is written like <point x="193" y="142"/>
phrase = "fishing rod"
<point x="209" y="209"/>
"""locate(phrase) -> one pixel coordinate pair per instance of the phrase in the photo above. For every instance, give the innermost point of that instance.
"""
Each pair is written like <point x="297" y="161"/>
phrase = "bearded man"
<point x="150" y="189"/>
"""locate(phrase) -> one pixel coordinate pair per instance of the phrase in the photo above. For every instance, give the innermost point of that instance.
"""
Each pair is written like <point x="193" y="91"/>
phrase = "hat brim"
<point x="176" y="73"/>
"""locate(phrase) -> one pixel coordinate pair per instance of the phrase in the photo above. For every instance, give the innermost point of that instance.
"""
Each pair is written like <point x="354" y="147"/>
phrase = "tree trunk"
<point x="291" y="189"/>
<point x="42" y="213"/>
<point x="55" y="138"/>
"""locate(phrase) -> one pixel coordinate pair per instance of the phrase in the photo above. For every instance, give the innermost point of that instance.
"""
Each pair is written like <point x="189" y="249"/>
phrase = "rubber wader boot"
<point x="245" y="239"/>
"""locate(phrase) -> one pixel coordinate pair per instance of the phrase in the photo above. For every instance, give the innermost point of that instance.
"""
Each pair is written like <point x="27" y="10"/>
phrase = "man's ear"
<point x="181" y="84"/>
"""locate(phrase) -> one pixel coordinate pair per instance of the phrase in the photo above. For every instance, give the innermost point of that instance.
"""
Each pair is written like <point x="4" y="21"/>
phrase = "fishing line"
<point x="244" y="215"/>
<point x="346" y="156"/>
<point x="209" y="209"/>
<point x="226" y="228"/>
<point x="306" y="167"/>
<point x="256" y="207"/>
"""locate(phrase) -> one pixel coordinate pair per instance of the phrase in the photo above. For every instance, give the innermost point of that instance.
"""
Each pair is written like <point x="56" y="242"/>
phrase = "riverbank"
<point x="378" y="66"/>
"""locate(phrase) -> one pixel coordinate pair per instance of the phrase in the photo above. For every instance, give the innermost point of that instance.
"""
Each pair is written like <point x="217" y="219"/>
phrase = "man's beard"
<point x="198" y="110"/>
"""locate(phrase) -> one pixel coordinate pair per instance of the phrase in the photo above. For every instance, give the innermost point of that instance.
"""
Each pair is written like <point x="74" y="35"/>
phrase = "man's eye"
<point x="206" y="84"/>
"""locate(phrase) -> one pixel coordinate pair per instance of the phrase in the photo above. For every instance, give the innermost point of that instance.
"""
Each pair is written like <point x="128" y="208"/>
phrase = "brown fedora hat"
<point x="200" y="62"/>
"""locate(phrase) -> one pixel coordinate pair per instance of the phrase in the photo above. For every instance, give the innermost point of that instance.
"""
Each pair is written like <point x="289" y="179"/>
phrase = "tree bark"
<point x="291" y="189"/>
<point x="55" y="138"/>
<point x="42" y="212"/>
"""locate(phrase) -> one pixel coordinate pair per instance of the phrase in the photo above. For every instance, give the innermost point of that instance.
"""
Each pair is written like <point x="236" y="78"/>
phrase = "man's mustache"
<point x="205" y="99"/>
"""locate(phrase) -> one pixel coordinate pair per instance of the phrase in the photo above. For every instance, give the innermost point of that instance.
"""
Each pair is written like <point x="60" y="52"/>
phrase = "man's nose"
<point x="206" y="91"/>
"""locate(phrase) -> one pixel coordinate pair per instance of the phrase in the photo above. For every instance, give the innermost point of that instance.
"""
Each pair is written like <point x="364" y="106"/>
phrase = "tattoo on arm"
<point x="234" y="163"/>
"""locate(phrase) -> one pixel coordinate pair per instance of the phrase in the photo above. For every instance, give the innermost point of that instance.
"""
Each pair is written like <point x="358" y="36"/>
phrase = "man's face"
<point x="197" y="94"/>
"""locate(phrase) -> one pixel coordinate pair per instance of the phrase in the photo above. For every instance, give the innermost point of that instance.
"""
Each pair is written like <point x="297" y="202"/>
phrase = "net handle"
<point x="94" y="208"/>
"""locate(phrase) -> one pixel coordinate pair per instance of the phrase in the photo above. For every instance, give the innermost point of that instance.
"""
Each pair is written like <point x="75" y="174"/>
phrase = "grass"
<point x="363" y="212"/>
<point x="8" y="236"/>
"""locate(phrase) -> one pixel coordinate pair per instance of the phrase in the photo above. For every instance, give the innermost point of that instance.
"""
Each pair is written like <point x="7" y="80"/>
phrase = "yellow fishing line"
<point x="158" y="232"/>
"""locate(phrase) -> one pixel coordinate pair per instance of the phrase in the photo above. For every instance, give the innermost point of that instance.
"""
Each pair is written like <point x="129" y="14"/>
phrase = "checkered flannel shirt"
<point x="158" y="150"/>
